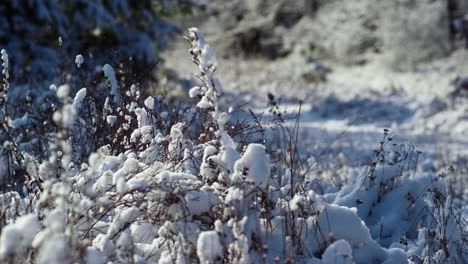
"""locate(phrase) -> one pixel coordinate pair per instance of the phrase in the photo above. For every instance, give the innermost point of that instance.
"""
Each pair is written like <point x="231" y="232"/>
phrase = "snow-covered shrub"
<point x="400" y="203"/>
<point x="172" y="185"/>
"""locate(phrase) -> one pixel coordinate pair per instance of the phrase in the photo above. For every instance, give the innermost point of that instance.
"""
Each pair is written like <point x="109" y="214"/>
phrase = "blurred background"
<point x="399" y="64"/>
<point x="371" y="40"/>
<point x="42" y="37"/>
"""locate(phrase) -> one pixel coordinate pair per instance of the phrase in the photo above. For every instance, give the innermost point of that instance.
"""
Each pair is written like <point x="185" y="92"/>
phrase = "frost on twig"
<point x="112" y="81"/>
<point x="5" y="84"/>
<point x="203" y="56"/>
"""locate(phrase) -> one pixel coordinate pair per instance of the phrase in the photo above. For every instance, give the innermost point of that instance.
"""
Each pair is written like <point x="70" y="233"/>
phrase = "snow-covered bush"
<point x="166" y="184"/>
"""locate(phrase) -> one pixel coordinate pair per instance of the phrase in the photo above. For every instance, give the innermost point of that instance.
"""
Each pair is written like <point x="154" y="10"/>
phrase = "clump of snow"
<point x="5" y="64"/>
<point x="63" y="91"/>
<point x="207" y="169"/>
<point x="103" y="244"/>
<point x="143" y="117"/>
<point x="343" y="223"/>
<point x="104" y="182"/>
<point x="79" y="60"/>
<point x="143" y="232"/>
<point x="79" y="97"/>
<point x="149" y="102"/>
<point x="297" y="202"/>
<point x="197" y="91"/>
<point x="93" y="256"/>
<point x="109" y="73"/>
<point x="16" y="237"/>
<point x="338" y="253"/>
<point x="111" y="119"/>
<point x="207" y="56"/>
<point x="65" y="116"/>
<point x="396" y="255"/>
<point x="254" y="166"/>
<point x="54" y="250"/>
<point x="201" y="202"/>
<point x="3" y="171"/>
<point x="124" y="218"/>
<point x="209" y="247"/>
<point x="205" y="103"/>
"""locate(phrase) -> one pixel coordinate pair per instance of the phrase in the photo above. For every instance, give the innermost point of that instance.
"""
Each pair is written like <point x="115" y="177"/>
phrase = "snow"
<point x="143" y="117"/>
<point x="234" y="194"/>
<point x="63" y="91"/>
<point x="5" y="64"/>
<point x="197" y="91"/>
<point x="205" y="103"/>
<point x="103" y="244"/>
<point x="201" y="202"/>
<point x="93" y="256"/>
<point x="54" y="250"/>
<point x="338" y="253"/>
<point x="396" y="255"/>
<point x="165" y="258"/>
<point x="125" y="241"/>
<point x="3" y="171"/>
<point x="209" y="247"/>
<point x="167" y="176"/>
<point x="343" y="223"/>
<point x="67" y="116"/>
<point x="17" y="236"/>
<point x="149" y="102"/>
<point x="109" y="73"/>
<point x="123" y="218"/>
<point x="56" y="220"/>
<point x="143" y="232"/>
<point x="297" y="202"/>
<point x="79" y="60"/>
<point x="206" y="169"/>
<point x="111" y="119"/>
<point x="203" y="185"/>
<point x="201" y="47"/>
<point x="254" y="166"/>
<point x="78" y="101"/>
<point x="104" y="182"/>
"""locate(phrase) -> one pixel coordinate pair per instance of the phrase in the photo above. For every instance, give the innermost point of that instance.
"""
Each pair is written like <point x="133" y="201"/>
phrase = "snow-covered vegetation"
<point x="178" y="188"/>
<point x="95" y="170"/>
